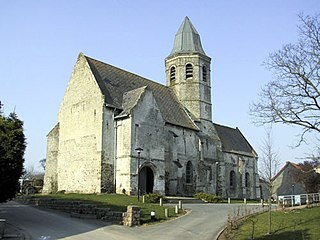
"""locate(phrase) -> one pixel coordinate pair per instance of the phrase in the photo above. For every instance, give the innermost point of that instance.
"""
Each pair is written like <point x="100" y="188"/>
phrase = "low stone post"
<point x="245" y="201"/>
<point x="166" y="212"/>
<point x="180" y="204"/>
<point x="143" y="199"/>
<point x="177" y="209"/>
<point x="2" y="226"/>
<point x="132" y="216"/>
<point x="161" y="202"/>
<point x="153" y="216"/>
<point x="229" y="200"/>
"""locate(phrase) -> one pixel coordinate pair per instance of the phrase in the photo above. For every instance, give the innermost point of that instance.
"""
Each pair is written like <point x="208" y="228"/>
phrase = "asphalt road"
<point x="204" y="221"/>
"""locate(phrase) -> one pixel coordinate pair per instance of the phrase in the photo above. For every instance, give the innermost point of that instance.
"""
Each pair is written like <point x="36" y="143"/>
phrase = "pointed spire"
<point x="187" y="39"/>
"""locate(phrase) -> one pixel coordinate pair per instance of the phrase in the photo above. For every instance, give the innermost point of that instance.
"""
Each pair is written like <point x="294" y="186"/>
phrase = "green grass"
<point x="296" y="224"/>
<point x="119" y="202"/>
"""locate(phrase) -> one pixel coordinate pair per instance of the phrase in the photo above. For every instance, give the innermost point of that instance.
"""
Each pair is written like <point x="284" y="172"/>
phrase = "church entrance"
<point x="146" y="180"/>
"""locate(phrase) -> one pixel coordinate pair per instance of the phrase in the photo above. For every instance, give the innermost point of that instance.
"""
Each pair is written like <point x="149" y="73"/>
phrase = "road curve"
<point x="204" y="221"/>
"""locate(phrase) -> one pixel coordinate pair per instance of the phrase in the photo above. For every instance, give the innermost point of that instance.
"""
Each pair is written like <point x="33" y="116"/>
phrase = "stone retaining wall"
<point x="75" y="208"/>
<point x="132" y="216"/>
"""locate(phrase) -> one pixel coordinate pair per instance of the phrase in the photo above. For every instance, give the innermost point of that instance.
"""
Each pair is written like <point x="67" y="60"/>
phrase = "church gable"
<point x="80" y="136"/>
<point x="130" y="100"/>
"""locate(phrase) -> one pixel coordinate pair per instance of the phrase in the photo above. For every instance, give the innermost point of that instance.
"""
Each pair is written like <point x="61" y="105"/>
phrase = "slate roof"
<point x="115" y="82"/>
<point x="187" y="39"/>
<point x="233" y="141"/>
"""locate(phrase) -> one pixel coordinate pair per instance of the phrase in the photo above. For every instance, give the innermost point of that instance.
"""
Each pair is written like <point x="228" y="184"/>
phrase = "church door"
<point x="146" y="180"/>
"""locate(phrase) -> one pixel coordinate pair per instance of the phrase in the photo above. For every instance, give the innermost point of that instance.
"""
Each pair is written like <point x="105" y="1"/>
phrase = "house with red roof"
<point x="285" y="181"/>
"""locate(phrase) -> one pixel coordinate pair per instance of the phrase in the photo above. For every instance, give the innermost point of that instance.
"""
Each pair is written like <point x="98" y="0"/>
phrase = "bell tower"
<point x="188" y="72"/>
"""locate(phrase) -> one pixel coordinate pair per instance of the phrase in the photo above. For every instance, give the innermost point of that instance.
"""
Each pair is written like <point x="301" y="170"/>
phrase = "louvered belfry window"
<point x="204" y="73"/>
<point x="189" y="70"/>
<point x="172" y="73"/>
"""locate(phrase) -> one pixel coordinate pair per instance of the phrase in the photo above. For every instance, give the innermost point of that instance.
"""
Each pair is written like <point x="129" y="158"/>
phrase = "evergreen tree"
<point x="12" y="148"/>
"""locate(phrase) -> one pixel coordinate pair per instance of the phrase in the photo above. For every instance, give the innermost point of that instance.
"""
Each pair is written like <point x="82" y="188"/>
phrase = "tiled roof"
<point x="233" y="141"/>
<point x="115" y="82"/>
<point x="288" y="164"/>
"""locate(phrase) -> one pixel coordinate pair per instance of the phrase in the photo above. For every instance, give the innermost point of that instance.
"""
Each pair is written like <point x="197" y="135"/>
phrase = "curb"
<point x="15" y="233"/>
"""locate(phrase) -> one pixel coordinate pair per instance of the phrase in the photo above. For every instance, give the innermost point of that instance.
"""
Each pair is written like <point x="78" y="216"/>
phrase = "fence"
<point x="298" y="200"/>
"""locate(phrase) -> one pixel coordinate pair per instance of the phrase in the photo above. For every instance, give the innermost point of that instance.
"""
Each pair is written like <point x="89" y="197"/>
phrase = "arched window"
<point x="189" y="70"/>
<point x="189" y="172"/>
<point x="232" y="179"/>
<point x="204" y="73"/>
<point x="247" y="179"/>
<point x="172" y="73"/>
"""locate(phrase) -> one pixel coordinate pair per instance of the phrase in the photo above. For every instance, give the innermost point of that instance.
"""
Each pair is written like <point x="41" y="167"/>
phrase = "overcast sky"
<point x="40" y="42"/>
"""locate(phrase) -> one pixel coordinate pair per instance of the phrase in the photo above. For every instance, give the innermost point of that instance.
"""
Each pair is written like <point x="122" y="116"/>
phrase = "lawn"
<point x="298" y="224"/>
<point x="119" y="202"/>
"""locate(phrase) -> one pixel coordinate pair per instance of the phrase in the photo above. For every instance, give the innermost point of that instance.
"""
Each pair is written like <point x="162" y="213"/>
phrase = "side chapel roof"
<point x="233" y="141"/>
<point x="115" y="82"/>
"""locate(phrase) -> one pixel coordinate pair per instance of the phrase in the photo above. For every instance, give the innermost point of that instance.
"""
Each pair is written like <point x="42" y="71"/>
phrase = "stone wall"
<point x="132" y="216"/>
<point x="80" y="141"/>
<point x="241" y="165"/>
<point x="193" y="93"/>
<point x="145" y="129"/>
<point x="51" y="177"/>
<point x="75" y="208"/>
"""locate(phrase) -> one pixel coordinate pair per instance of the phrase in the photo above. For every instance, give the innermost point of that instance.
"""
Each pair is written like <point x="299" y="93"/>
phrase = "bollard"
<point x="229" y="201"/>
<point x="143" y="199"/>
<point x="177" y="209"/>
<point x="245" y="201"/>
<point x="2" y="226"/>
<point x="153" y="216"/>
<point x="161" y="202"/>
<point x="180" y="204"/>
<point x="166" y="212"/>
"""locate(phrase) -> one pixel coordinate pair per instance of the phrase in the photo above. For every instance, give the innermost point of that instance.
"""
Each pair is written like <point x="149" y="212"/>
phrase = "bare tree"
<point x="269" y="166"/>
<point x="294" y="96"/>
<point x="43" y="163"/>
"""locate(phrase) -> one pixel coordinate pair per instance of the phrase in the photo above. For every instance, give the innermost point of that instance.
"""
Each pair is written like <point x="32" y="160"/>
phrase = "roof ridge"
<point x="114" y="81"/>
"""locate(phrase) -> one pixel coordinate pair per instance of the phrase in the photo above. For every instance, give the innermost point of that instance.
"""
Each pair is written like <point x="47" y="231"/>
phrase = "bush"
<point x="208" y="197"/>
<point x="153" y="198"/>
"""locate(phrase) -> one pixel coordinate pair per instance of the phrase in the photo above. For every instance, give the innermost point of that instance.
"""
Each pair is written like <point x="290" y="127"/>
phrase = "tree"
<point x="12" y="148"/>
<point x="294" y="96"/>
<point x="308" y="176"/>
<point x="269" y="166"/>
<point x="43" y="163"/>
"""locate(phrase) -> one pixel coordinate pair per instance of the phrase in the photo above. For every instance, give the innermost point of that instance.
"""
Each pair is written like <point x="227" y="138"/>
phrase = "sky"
<point x="40" y="42"/>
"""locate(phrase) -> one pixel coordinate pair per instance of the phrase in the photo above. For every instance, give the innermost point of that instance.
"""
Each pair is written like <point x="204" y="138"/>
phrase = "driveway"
<point x="204" y="221"/>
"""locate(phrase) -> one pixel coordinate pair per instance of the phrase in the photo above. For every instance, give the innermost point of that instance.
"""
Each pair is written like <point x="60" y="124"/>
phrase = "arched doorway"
<point x="146" y="180"/>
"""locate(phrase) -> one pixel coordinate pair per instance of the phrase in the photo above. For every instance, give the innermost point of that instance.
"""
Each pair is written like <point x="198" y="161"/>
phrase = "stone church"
<point x="117" y="129"/>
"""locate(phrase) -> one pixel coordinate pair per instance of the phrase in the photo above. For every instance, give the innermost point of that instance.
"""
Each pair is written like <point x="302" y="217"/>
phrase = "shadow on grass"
<point x="289" y="235"/>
